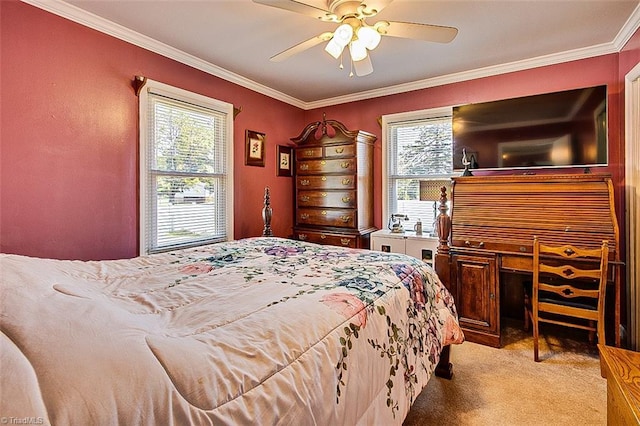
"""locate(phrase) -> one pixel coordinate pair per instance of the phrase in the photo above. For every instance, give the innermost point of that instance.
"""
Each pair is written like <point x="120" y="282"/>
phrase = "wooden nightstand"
<point x="419" y="246"/>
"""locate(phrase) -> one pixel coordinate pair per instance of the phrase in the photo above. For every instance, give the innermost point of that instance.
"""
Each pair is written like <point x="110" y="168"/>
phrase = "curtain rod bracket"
<point x="138" y="83"/>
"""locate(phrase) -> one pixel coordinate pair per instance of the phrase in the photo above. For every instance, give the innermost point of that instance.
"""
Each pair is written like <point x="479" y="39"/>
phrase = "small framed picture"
<point x="254" y="149"/>
<point x="284" y="160"/>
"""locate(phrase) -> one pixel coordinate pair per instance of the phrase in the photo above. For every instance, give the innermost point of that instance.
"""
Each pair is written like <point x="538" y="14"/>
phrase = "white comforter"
<point x="257" y="331"/>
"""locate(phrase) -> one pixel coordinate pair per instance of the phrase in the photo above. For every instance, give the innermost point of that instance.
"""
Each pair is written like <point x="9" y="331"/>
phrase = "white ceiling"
<point x="234" y="39"/>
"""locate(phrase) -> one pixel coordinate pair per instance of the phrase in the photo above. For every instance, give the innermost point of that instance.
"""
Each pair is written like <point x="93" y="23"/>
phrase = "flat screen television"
<point x="560" y="129"/>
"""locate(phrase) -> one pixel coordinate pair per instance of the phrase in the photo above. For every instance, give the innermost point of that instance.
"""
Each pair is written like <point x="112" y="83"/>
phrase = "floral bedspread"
<point x="256" y="331"/>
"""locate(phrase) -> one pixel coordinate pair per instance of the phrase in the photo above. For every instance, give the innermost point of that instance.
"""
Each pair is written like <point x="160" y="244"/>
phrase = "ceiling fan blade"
<point x="436" y="33"/>
<point x="300" y="47"/>
<point x="363" y="67"/>
<point x="295" y="6"/>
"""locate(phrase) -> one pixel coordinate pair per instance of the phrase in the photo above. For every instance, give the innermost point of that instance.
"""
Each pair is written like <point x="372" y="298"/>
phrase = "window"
<point x="417" y="151"/>
<point x="186" y="169"/>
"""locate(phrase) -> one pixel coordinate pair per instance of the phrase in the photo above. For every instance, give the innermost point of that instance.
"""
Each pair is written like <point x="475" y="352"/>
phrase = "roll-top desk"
<point x="491" y="228"/>
<point x="334" y="185"/>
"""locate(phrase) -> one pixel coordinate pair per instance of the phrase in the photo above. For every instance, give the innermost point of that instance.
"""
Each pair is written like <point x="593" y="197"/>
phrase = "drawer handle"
<point x="339" y="150"/>
<point x="323" y="162"/>
<point x="468" y="244"/>
<point x="346" y="199"/>
<point x="304" y="198"/>
<point x="345" y="218"/>
<point x="308" y="153"/>
<point x="304" y="182"/>
<point x="304" y="216"/>
<point x="346" y="181"/>
<point x="302" y="237"/>
<point x="304" y="167"/>
<point x="345" y="164"/>
<point x="324" y="178"/>
<point x="324" y="212"/>
<point x="324" y="194"/>
<point x="323" y="237"/>
<point x="344" y="241"/>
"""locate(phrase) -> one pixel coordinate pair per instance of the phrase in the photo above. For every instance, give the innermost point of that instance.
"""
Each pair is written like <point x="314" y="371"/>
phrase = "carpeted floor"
<point x="506" y="387"/>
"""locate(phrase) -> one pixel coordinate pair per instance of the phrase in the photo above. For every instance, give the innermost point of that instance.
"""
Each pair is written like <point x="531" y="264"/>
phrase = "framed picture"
<point x="254" y="149"/>
<point x="284" y="161"/>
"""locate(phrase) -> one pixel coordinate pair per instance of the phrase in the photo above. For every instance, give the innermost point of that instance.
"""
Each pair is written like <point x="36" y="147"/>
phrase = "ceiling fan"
<point x="354" y="32"/>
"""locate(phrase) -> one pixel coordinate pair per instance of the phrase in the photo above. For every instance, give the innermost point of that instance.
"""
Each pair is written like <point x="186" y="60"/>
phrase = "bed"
<point x="262" y="330"/>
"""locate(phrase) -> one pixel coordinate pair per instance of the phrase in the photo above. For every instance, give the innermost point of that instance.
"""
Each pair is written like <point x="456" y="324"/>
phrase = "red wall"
<point x="69" y="139"/>
<point x="588" y="72"/>
<point x="68" y="176"/>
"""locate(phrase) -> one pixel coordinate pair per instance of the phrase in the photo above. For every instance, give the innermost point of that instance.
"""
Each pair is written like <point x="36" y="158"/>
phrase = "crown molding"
<point x="470" y="75"/>
<point x="105" y="26"/>
<point x="628" y="29"/>
<point x="95" y="22"/>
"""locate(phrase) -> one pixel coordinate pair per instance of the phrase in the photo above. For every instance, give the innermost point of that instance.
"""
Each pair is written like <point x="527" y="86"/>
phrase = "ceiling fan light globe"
<point x="334" y="49"/>
<point x="358" y="50"/>
<point x="369" y="36"/>
<point x="343" y="34"/>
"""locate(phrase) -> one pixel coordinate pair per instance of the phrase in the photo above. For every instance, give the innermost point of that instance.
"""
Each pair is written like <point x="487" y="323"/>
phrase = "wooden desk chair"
<point x="563" y="293"/>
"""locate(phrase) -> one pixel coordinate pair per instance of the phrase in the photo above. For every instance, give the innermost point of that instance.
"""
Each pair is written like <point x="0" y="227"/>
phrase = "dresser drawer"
<point x="311" y="152"/>
<point x="347" y="165"/>
<point x="326" y="238"/>
<point x="340" y="151"/>
<point x="326" y="182"/>
<point x="339" y="199"/>
<point x="343" y="218"/>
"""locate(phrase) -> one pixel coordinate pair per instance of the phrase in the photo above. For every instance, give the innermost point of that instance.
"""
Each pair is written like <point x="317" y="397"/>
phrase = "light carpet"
<point x="506" y="387"/>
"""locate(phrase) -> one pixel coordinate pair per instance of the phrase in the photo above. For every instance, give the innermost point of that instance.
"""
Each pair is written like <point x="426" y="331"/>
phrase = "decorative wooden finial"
<point x="443" y="223"/>
<point x="324" y="124"/>
<point x="266" y="214"/>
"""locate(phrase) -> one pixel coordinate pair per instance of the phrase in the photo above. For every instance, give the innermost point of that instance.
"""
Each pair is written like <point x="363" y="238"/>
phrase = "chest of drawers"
<point x="333" y="185"/>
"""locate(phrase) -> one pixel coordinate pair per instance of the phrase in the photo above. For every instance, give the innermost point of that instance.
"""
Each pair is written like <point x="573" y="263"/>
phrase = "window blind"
<point x="418" y="149"/>
<point x="186" y="181"/>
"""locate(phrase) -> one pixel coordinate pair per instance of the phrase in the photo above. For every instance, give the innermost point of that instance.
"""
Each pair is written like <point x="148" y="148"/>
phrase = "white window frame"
<point x="390" y="119"/>
<point x="181" y="95"/>
<point x="632" y="202"/>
